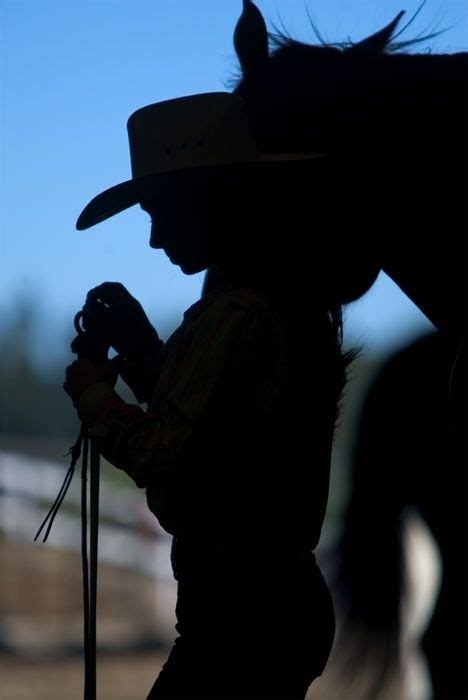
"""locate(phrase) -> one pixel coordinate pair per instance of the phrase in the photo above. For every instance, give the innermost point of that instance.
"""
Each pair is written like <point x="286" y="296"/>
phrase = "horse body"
<point x="406" y="458"/>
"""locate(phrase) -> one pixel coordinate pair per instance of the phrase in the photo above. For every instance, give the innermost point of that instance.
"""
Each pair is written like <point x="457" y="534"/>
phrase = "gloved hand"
<point x="82" y="374"/>
<point x="112" y="314"/>
<point x="90" y="346"/>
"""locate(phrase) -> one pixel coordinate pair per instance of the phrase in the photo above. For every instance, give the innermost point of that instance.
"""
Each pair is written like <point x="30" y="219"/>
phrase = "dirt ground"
<point x="119" y="677"/>
<point x="127" y="677"/>
<point x="130" y="677"/>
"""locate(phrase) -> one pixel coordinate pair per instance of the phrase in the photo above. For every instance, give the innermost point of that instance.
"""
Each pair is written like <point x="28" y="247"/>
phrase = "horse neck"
<point x="422" y="126"/>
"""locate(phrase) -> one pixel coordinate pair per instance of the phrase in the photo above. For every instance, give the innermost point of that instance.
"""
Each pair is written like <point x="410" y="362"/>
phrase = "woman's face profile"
<point x="218" y="219"/>
<point x="180" y="227"/>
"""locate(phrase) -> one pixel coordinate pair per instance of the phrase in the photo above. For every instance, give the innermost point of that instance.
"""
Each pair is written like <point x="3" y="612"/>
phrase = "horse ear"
<point x="251" y="39"/>
<point x="378" y="42"/>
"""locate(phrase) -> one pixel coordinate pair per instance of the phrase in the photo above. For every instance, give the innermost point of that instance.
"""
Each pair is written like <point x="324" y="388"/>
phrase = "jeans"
<point x="249" y="627"/>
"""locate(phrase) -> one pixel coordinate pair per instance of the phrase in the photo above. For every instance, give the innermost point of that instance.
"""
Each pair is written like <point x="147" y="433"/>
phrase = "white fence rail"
<point x="29" y="485"/>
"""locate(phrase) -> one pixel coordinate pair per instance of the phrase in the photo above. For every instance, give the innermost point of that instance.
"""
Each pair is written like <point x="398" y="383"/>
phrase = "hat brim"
<point x="126" y="194"/>
<point x="110" y="202"/>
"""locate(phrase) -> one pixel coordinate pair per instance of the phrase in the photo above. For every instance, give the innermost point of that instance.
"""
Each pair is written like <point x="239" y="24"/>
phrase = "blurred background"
<point x="73" y="71"/>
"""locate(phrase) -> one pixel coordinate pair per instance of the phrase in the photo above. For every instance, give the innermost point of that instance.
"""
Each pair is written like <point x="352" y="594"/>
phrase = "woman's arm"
<point x="141" y="372"/>
<point x="145" y="444"/>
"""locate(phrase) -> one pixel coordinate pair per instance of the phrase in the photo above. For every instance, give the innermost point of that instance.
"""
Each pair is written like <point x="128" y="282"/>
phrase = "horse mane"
<point x="331" y="97"/>
<point x="386" y="41"/>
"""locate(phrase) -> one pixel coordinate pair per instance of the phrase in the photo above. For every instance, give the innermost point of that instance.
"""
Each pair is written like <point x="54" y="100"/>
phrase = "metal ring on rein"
<point x="77" y="323"/>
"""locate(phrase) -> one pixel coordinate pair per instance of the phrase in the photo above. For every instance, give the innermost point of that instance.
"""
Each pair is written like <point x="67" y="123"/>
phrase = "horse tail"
<point x="370" y="572"/>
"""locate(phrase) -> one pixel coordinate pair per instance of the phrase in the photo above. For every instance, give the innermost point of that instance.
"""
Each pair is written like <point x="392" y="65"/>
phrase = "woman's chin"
<point x="191" y="268"/>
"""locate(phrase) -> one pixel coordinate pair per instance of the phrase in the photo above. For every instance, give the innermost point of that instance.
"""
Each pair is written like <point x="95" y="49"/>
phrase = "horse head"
<point x="304" y="97"/>
<point x="392" y="124"/>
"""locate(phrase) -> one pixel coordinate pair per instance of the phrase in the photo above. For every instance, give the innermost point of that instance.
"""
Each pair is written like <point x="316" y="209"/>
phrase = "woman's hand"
<point x="82" y="374"/>
<point x="112" y="314"/>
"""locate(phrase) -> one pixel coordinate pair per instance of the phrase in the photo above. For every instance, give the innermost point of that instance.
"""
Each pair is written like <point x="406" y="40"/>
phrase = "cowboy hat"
<point x="181" y="136"/>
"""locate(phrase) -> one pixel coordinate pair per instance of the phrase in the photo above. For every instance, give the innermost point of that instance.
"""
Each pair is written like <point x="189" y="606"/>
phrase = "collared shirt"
<point x="221" y="440"/>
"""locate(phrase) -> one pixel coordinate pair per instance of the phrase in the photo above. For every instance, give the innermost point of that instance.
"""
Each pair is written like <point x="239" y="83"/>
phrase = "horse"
<point x="405" y="459"/>
<point x="389" y="193"/>
<point x="392" y="125"/>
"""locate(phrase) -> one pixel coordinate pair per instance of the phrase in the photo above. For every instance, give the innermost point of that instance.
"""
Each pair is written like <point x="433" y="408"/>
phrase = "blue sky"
<point x="73" y="73"/>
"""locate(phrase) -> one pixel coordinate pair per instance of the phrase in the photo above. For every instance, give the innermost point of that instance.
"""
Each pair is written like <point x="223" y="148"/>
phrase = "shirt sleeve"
<point x="145" y="444"/>
<point x="141" y="374"/>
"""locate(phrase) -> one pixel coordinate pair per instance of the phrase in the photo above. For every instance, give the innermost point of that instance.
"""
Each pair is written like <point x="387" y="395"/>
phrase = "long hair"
<point x="325" y="322"/>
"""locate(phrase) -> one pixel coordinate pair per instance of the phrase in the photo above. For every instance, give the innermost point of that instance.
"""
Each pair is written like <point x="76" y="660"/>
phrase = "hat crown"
<point x="187" y="132"/>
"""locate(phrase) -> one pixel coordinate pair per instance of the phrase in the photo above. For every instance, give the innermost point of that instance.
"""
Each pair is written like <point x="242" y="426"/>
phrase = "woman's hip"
<point x="255" y="598"/>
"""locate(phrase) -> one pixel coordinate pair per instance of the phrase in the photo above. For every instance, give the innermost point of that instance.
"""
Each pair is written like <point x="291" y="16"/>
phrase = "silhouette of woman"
<point x="234" y="447"/>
